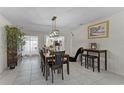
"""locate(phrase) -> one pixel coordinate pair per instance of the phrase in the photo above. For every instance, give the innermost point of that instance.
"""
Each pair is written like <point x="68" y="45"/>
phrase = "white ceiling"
<point x="39" y="18"/>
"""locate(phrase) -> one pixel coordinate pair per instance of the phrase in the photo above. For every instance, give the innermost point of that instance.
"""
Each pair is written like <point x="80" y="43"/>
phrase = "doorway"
<point x="31" y="46"/>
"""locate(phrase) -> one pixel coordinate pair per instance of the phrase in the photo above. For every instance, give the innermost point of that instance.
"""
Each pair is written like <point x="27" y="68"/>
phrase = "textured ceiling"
<point x="39" y="18"/>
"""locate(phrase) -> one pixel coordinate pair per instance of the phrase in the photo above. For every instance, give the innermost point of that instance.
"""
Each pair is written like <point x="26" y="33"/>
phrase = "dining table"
<point x="47" y="57"/>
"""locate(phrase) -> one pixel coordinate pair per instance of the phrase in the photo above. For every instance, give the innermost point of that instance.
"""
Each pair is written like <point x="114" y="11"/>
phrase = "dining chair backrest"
<point x="59" y="57"/>
<point x="42" y="56"/>
<point x="41" y="51"/>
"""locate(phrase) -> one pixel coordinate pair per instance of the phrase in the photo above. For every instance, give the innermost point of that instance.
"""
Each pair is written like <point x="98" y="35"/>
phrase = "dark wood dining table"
<point x="49" y="57"/>
<point x="98" y="51"/>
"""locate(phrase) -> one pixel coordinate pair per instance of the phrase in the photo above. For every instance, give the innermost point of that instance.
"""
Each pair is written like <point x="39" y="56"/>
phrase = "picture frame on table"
<point x="93" y="46"/>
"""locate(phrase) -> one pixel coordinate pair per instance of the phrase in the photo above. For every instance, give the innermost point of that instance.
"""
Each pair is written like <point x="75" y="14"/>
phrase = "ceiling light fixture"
<point x="55" y="31"/>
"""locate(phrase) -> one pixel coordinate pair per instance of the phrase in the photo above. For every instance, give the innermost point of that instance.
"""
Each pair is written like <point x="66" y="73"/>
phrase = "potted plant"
<point x="15" y="41"/>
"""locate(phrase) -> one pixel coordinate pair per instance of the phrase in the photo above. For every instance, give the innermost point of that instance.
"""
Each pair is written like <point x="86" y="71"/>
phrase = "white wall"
<point x="114" y="44"/>
<point x="3" y="47"/>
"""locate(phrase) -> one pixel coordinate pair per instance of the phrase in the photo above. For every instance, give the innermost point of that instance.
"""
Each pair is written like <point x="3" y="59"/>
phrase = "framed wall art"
<point x="99" y="30"/>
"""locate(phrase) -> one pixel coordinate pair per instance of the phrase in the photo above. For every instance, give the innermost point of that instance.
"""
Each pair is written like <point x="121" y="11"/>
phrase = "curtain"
<point x="31" y="46"/>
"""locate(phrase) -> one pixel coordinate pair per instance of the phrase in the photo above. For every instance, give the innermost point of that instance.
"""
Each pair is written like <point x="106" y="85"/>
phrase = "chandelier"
<point x="55" y="31"/>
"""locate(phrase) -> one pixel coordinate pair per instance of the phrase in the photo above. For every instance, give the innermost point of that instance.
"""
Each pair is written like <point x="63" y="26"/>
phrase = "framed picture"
<point x="99" y="30"/>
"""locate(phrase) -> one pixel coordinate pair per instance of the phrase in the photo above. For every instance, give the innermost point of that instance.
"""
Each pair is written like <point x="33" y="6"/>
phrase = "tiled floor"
<point x="28" y="73"/>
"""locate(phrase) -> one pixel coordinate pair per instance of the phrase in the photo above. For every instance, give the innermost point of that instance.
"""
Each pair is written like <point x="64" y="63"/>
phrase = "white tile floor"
<point x="28" y="73"/>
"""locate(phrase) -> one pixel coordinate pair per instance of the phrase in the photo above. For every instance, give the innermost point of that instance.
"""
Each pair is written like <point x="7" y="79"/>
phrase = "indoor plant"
<point x="15" y="41"/>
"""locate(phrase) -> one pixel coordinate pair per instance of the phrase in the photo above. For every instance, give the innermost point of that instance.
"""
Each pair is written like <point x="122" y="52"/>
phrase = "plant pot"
<point x="12" y="66"/>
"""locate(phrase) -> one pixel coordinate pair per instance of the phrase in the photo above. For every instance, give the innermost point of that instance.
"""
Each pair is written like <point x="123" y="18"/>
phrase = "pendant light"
<point x="55" y="31"/>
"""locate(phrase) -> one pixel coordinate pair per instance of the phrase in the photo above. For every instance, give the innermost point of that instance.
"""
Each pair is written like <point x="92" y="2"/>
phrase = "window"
<point x="31" y="46"/>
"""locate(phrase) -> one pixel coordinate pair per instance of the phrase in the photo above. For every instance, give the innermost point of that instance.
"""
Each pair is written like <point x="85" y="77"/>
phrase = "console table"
<point x="99" y="55"/>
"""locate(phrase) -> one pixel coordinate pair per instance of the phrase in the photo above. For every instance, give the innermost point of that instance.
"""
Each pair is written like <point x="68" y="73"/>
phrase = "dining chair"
<point x="89" y="60"/>
<point x="83" y="57"/>
<point x="42" y="62"/>
<point x="58" y="65"/>
<point x="66" y="61"/>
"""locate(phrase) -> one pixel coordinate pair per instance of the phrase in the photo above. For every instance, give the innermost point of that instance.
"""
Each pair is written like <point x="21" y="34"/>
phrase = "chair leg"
<point x="97" y="64"/>
<point x="93" y="64"/>
<point x="81" y="60"/>
<point x="62" y="74"/>
<point x="43" y="70"/>
<point x="41" y="66"/>
<point x="90" y="63"/>
<point x="85" y="62"/>
<point x="52" y="76"/>
<point x="48" y="71"/>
